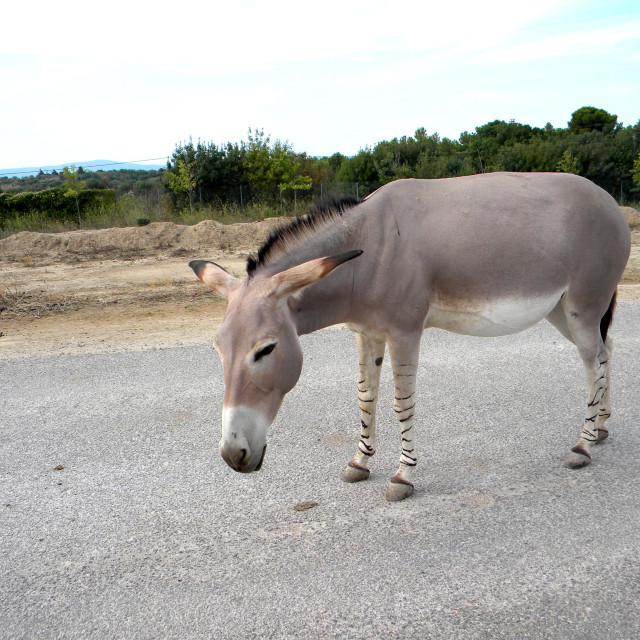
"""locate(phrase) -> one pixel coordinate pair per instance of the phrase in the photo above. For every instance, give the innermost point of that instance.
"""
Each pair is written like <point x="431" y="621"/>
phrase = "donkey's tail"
<point x="608" y="317"/>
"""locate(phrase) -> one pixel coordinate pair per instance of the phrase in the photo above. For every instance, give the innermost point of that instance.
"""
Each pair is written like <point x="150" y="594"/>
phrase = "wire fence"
<point x="32" y="171"/>
<point x="153" y="203"/>
<point x="286" y="200"/>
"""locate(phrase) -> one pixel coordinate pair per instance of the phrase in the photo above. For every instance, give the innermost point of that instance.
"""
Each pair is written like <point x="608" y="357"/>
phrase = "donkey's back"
<point x="504" y="247"/>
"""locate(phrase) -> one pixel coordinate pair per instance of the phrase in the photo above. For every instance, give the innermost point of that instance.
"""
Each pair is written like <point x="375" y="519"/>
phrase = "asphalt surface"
<point x="118" y="518"/>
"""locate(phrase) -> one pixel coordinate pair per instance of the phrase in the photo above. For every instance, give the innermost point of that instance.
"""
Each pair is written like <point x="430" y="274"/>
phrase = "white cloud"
<point x="567" y="44"/>
<point x="226" y="37"/>
<point x="136" y="77"/>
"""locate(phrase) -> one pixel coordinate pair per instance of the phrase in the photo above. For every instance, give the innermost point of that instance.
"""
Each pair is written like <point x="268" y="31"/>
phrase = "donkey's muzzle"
<point x="241" y="458"/>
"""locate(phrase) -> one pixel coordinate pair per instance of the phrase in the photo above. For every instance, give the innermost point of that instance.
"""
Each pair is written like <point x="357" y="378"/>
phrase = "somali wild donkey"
<point x="485" y="255"/>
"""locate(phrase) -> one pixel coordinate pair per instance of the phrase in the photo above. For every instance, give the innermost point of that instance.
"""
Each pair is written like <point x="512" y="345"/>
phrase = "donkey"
<point x="483" y="255"/>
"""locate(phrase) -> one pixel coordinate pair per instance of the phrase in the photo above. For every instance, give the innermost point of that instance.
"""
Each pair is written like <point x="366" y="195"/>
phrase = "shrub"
<point x="53" y="203"/>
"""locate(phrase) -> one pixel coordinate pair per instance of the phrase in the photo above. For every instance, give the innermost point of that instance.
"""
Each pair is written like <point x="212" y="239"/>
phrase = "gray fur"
<point x="488" y="255"/>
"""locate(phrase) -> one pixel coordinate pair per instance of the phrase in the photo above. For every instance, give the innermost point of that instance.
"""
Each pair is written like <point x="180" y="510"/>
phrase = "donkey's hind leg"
<point x="370" y="354"/>
<point x="605" y="361"/>
<point x="596" y="355"/>
<point x="604" y="408"/>
<point x="598" y="408"/>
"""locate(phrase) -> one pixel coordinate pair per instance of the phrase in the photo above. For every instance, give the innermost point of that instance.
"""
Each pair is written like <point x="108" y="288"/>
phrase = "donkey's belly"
<point x="498" y="317"/>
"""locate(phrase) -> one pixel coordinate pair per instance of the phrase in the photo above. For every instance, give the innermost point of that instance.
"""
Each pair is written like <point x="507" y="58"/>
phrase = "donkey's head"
<point x="259" y="349"/>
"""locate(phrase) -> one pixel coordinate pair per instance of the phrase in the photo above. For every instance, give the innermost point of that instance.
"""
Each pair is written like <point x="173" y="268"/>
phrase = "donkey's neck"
<point x="325" y="303"/>
<point x="330" y="300"/>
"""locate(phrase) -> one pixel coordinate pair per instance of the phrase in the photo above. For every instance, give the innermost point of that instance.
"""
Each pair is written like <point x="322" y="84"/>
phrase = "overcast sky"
<point x="127" y="80"/>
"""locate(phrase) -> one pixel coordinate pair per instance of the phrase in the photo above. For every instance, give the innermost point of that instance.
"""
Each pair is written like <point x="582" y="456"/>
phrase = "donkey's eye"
<point x="265" y="351"/>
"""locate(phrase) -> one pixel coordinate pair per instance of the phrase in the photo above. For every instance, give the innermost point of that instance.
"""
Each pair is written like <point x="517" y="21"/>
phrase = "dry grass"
<point x="33" y="305"/>
<point x="131" y="211"/>
<point x="633" y="216"/>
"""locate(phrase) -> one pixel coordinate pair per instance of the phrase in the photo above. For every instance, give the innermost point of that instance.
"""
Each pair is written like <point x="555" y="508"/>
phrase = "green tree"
<point x="318" y="169"/>
<point x="182" y="172"/>
<point x="220" y="171"/>
<point x="257" y="159"/>
<point x="283" y="164"/>
<point x="335" y="162"/>
<point x="495" y="146"/>
<point x="568" y="164"/>
<point x="73" y="187"/>
<point x="269" y="165"/>
<point x="183" y="179"/>
<point x="588" y="119"/>
<point x="359" y="168"/>
<point x="635" y="173"/>
<point x="299" y="183"/>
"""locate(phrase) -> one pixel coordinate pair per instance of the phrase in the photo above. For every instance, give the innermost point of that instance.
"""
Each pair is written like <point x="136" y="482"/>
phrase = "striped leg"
<point x="604" y="408"/>
<point x="598" y="407"/>
<point x="404" y="362"/>
<point x="371" y="354"/>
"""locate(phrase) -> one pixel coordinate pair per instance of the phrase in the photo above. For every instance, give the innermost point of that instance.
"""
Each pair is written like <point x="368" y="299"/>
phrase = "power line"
<point x="89" y="166"/>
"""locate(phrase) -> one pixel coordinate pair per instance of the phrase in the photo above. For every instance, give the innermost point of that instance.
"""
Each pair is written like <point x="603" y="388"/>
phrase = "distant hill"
<point x="89" y="165"/>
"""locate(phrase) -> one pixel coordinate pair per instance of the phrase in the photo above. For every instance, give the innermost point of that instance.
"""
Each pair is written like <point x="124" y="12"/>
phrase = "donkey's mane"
<point x="283" y="239"/>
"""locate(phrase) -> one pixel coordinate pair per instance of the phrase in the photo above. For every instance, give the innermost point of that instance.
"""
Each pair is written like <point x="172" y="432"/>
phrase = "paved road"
<point x="145" y="533"/>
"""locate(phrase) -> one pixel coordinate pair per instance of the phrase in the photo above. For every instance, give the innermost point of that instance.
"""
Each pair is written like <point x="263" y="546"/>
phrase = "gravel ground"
<point x="120" y="520"/>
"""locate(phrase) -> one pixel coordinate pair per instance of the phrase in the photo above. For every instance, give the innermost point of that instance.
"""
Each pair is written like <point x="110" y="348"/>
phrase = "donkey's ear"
<point x="215" y="277"/>
<point x="292" y="280"/>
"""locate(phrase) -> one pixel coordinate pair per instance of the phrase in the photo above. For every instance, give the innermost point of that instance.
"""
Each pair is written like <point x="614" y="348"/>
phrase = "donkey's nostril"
<point x="235" y="457"/>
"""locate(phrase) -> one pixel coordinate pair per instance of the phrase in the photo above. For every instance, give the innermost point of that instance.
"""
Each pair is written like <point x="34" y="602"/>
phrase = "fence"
<point x="286" y="200"/>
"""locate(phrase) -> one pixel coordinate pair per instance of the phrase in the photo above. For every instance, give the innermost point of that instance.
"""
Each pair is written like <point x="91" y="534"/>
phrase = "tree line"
<point x="594" y="144"/>
<point x="120" y="181"/>
<point x="261" y="171"/>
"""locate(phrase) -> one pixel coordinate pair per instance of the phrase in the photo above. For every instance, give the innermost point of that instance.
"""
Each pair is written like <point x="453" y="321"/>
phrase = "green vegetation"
<point x="593" y="145"/>
<point x="73" y="187"/>
<point x="54" y="207"/>
<point x="568" y="164"/>
<point x="183" y="179"/>
<point x="260" y="177"/>
<point x="635" y="172"/>
<point x="119" y="181"/>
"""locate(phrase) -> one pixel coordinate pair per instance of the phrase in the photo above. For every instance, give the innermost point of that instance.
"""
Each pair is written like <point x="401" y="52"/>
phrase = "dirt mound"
<point x="134" y="242"/>
<point x="157" y="238"/>
<point x="122" y="289"/>
<point x="632" y="215"/>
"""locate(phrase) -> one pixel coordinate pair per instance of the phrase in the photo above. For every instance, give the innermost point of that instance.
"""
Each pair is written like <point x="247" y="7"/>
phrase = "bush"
<point x="53" y="203"/>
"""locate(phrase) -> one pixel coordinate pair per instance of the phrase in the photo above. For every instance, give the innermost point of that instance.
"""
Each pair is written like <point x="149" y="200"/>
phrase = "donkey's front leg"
<point x="370" y="354"/>
<point x="404" y="362"/>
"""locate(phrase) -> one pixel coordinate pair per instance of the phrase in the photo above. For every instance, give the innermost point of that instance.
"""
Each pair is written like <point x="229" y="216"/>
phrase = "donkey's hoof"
<point x="578" y="457"/>
<point x="398" y="489"/>
<point x="354" y="473"/>
<point x="602" y="434"/>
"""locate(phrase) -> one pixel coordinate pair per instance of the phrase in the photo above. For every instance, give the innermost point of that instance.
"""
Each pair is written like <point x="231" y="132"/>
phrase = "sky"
<point x="129" y="80"/>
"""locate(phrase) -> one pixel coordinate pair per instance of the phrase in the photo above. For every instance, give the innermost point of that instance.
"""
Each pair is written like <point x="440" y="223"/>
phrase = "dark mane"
<point x="318" y="214"/>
